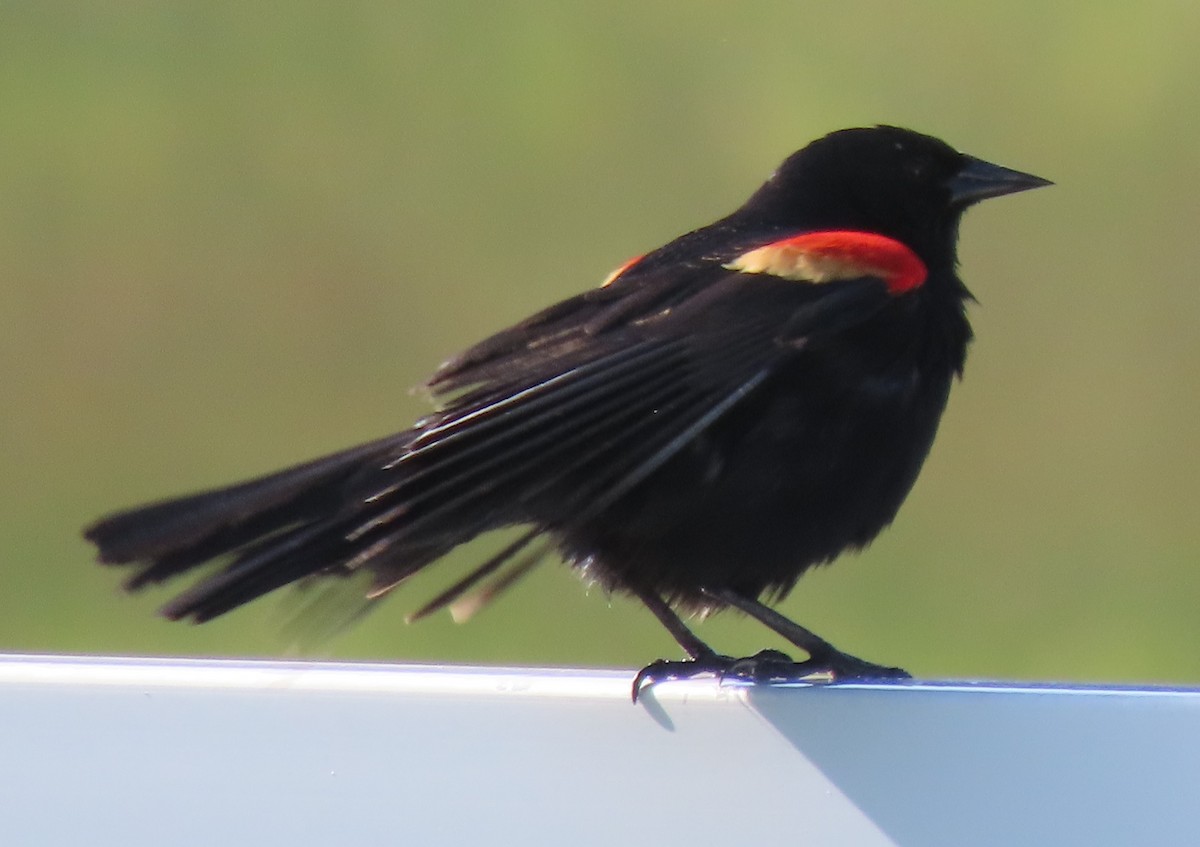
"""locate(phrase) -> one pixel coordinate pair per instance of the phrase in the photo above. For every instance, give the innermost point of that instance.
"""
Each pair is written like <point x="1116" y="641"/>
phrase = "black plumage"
<point x="746" y="402"/>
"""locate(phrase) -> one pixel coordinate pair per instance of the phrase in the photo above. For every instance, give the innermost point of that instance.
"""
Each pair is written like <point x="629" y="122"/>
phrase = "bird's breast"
<point x="809" y="466"/>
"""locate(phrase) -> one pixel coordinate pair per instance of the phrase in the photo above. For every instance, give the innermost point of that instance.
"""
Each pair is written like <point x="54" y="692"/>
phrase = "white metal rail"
<point x="99" y="751"/>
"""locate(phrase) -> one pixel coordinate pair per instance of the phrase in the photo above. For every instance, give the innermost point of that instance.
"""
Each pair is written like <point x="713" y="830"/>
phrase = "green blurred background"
<point x="233" y="234"/>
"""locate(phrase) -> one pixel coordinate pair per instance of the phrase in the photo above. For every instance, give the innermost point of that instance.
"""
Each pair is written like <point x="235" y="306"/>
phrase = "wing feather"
<point x="542" y="425"/>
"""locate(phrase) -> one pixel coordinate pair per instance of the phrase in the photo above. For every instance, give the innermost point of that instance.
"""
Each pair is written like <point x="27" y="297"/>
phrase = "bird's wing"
<point x="571" y="408"/>
<point x="577" y="414"/>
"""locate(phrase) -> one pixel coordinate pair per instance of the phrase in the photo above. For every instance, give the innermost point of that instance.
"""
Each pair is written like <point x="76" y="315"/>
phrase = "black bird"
<point x="723" y="413"/>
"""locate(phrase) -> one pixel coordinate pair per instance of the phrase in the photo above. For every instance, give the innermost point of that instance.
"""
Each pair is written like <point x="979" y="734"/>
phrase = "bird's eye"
<point x="917" y="169"/>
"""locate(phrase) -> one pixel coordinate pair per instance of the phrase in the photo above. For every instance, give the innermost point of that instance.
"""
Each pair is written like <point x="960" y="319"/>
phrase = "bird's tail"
<point x="269" y="531"/>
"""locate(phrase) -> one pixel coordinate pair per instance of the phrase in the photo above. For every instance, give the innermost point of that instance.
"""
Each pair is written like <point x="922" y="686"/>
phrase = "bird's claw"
<point x="765" y="666"/>
<point x="662" y="670"/>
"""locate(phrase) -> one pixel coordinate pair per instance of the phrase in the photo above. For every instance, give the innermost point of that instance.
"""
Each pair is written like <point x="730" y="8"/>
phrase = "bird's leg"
<point x="703" y="659"/>
<point x="688" y="640"/>
<point x="823" y="656"/>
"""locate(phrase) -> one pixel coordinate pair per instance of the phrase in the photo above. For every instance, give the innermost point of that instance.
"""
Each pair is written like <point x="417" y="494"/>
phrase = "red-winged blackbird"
<point x="725" y="412"/>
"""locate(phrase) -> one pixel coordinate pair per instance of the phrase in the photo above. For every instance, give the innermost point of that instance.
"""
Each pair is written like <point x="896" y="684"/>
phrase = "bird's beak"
<point x="979" y="180"/>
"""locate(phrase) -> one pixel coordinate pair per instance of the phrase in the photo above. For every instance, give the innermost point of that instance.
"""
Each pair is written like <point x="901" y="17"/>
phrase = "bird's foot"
<point x="661" y="670"/>
<point x="765" y="666"/>
<point x="842" y="667"/>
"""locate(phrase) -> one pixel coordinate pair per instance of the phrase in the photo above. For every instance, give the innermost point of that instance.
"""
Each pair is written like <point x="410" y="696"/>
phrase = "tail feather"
<point x="455" y="591"/>
<point x="268" y="566"/>
<point x="173" y="536"/>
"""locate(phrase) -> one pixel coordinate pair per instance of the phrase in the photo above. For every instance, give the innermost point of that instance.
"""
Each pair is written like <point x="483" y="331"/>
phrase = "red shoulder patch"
<point x="612" y="277"/>
<point x="836" y="254"/>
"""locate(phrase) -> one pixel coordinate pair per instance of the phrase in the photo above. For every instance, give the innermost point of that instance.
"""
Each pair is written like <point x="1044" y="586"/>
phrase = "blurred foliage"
<point x="232" y="234"/>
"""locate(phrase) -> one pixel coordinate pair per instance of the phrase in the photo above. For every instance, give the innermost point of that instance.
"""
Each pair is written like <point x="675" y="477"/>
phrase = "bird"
<point x="723" y="413"/>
